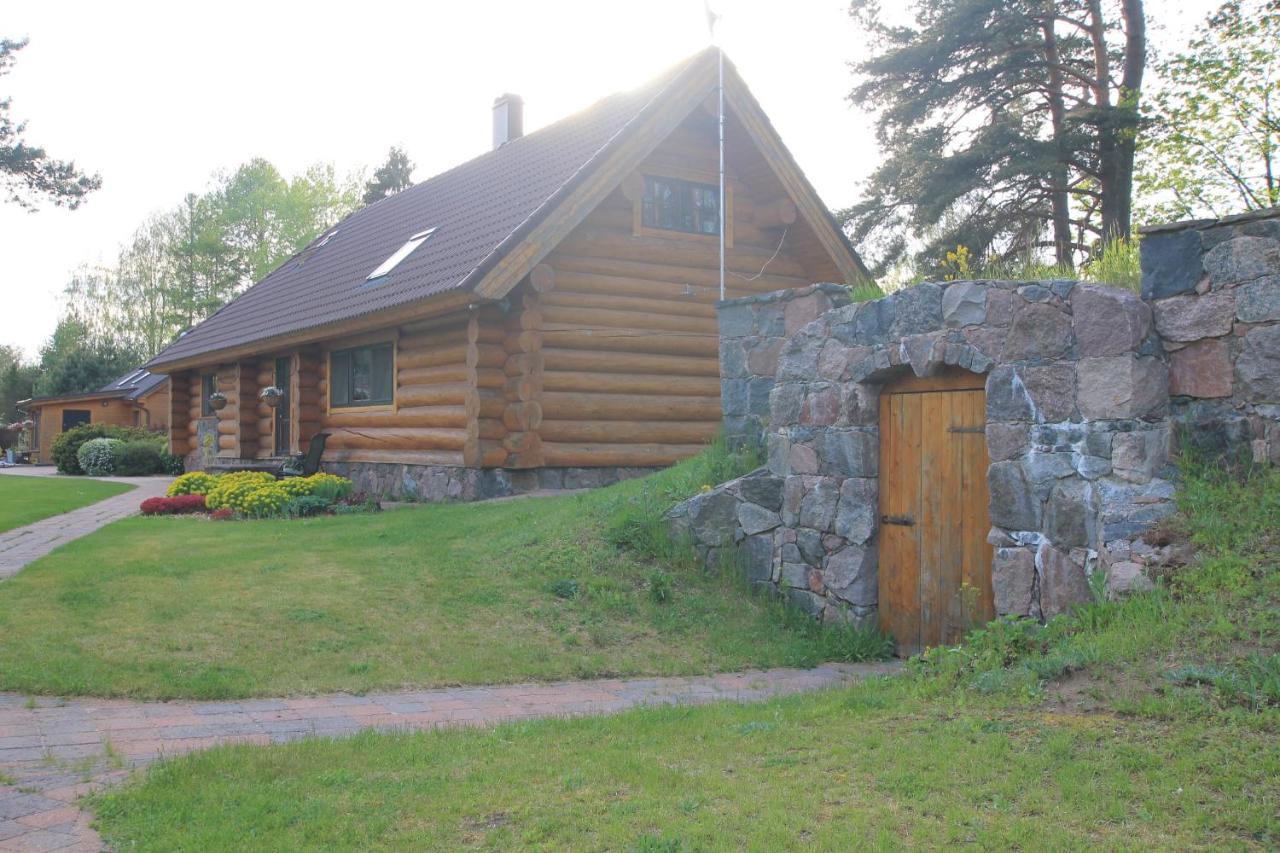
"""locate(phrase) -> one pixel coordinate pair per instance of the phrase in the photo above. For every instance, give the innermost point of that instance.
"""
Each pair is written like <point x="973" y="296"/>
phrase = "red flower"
<point x="177" y="505"/>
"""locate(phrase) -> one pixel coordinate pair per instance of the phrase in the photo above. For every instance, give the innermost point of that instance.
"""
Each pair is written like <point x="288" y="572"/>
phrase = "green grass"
<point x="1081" y="733"/>
<point x="432" y="595"/>
<point x="25" y="500"/>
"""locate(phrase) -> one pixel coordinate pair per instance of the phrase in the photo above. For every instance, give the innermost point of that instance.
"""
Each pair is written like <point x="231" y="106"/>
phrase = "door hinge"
<point x="901" y="520"/>
<point x="966" y="429"/>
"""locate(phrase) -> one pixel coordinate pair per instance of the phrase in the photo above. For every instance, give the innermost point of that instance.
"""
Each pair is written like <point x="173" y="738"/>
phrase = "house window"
<point x="675" y="205"/>
<point x="72" y="418"/>
<point x="208" y="385"/>
<point x="363" y="376"/>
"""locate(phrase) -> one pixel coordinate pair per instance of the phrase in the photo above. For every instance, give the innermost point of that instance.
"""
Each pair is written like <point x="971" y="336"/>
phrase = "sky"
<point x="158" y="96"/>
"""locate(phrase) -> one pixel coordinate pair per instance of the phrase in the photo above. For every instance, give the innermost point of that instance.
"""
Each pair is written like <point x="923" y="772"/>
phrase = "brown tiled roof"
<point x="479" y="210"/>
<point x="131" y="386"/>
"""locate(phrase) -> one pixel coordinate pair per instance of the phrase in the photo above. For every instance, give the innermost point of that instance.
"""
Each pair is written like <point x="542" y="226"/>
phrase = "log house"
<point x="548" y="305"/>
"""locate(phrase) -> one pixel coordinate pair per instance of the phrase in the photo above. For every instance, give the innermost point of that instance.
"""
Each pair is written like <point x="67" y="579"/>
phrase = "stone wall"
<point x="1086" y="386"/>
<point x="1077" y="431"/>
<point x="1215" y="289"/>
<point x="752" y="332"/>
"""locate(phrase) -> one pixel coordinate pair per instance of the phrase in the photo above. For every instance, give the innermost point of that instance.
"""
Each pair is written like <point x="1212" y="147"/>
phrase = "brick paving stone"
<point x="74" y="731"/>
<point x="24" y="545"/>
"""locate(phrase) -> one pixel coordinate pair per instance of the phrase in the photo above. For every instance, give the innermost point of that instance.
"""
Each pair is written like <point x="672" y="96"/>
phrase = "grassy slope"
<point x="24" y="500"/>
<point x="431" y="595"/>
<point x="1089" y="732"/>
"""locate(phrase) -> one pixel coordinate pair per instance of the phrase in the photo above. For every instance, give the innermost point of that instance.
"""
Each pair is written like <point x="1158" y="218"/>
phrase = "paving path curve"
<point x="24" y="545"/>
<point x="54" y="751"/>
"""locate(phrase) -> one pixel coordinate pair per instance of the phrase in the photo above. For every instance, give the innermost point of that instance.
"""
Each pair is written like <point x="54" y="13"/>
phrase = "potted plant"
<point x="217" y="401"/>
<point x="271" y="395"/>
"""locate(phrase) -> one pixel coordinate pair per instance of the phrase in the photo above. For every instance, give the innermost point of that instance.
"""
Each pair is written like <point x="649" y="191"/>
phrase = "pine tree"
<point x="1009" y="126"/>
<point x="27" y="172"/>
<point x="391" y="177"/>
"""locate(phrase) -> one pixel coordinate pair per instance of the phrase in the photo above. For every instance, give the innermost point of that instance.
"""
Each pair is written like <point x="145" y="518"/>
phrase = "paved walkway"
<point x="23" y="545"/>
<point x="54" y="751"/>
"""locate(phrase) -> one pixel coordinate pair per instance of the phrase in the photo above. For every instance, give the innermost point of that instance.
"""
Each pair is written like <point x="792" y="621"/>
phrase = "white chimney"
<point x="508" y="119"/>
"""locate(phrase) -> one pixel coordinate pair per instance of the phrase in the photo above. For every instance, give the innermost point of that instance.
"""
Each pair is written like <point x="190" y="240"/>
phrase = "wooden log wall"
<point x="229" y="415"/>
<point x="180" y="442"/>
<point x="629" y="337"/>
<point x="194" y="404"/>
<point x="521" y="416"/>
<point x="308" y="396"/>
<point x="441" y="365"/>
<point x="248" y="381"/>
<point x="263" y="414"/>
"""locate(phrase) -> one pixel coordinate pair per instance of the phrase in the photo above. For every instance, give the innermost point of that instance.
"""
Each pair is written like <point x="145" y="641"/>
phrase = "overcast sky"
<point x="157" y="96"/>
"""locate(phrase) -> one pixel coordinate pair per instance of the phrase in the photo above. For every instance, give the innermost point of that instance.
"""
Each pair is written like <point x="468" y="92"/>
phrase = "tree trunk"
<point x="1119" y="124"/>
<point x="1060" y="200"/>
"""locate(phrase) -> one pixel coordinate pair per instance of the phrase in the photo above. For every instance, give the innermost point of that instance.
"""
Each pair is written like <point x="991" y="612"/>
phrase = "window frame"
<point x="361" y="405"/>
<point x="208" y="386"/>
<point x="705" y="179"/>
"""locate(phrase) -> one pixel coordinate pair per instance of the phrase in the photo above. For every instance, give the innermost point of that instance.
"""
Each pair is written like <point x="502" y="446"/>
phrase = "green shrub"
<point x="304" y="506"/>
<point x="172" y="465"/>
<point x="67" y="444"/>
<point x="139" y="459"/>
<point x="100" y="457"/>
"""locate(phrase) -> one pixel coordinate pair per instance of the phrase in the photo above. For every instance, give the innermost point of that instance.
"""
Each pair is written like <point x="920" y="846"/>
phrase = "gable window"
<point x="672" y="204"/>
<point x="400" y="254"/>
<point x="208" y="385"/>
<point x="362" y="376"/>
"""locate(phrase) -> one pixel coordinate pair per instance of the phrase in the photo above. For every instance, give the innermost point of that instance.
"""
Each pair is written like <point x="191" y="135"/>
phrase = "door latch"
<point x="901" y="520"/>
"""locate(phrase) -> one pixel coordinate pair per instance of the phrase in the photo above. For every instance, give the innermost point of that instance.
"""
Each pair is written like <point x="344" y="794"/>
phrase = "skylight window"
<point x="403" y="252"/>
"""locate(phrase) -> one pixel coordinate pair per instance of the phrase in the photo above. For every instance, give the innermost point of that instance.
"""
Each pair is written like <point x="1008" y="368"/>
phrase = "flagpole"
<point x="720" y="91"/>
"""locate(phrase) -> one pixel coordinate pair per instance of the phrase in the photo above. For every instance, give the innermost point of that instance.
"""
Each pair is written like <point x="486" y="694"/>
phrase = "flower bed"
<point x="176" y="505"/>
<point x="258" y="494"/>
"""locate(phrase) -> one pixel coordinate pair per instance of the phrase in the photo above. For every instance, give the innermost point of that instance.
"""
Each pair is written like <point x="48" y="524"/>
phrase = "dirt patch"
<point x="1087" y="692"/>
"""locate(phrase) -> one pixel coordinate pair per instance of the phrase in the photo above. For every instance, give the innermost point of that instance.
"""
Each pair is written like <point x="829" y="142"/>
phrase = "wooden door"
<point x="935" y="563"/>
<point x="284" y="381"/>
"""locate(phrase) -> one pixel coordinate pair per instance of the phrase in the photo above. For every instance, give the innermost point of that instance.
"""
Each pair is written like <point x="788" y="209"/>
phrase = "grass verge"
<point x="435" y="595"/>
<point x="25" y="500"/>
<point x="1085" y="732"/>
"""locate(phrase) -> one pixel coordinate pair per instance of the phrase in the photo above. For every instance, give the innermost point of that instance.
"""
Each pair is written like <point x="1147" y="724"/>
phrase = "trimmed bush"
<point x="99" y="457"/>
<point x="179" y="505"/>
<point x="139" y="459"/>
<point x="172" y="465"/>
<point x="67" y="445"/>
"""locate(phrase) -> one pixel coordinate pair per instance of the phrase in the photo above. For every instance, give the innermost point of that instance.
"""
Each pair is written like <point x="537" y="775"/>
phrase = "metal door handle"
<point x="903" y="520"/>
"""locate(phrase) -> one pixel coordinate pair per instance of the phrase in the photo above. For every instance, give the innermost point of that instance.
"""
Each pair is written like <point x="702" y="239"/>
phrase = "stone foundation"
<point x="435" y="483"/>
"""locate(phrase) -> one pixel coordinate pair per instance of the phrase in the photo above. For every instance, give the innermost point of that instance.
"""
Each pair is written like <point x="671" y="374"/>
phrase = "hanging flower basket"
<point x="271" y="395"/>
<point x="217" y="401"/>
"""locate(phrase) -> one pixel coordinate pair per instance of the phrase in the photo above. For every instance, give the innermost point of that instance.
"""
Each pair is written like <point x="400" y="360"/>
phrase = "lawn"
<point x="24" y="500"/>
<point x="433" y="595"/>
<point x="1148" y="723"/>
